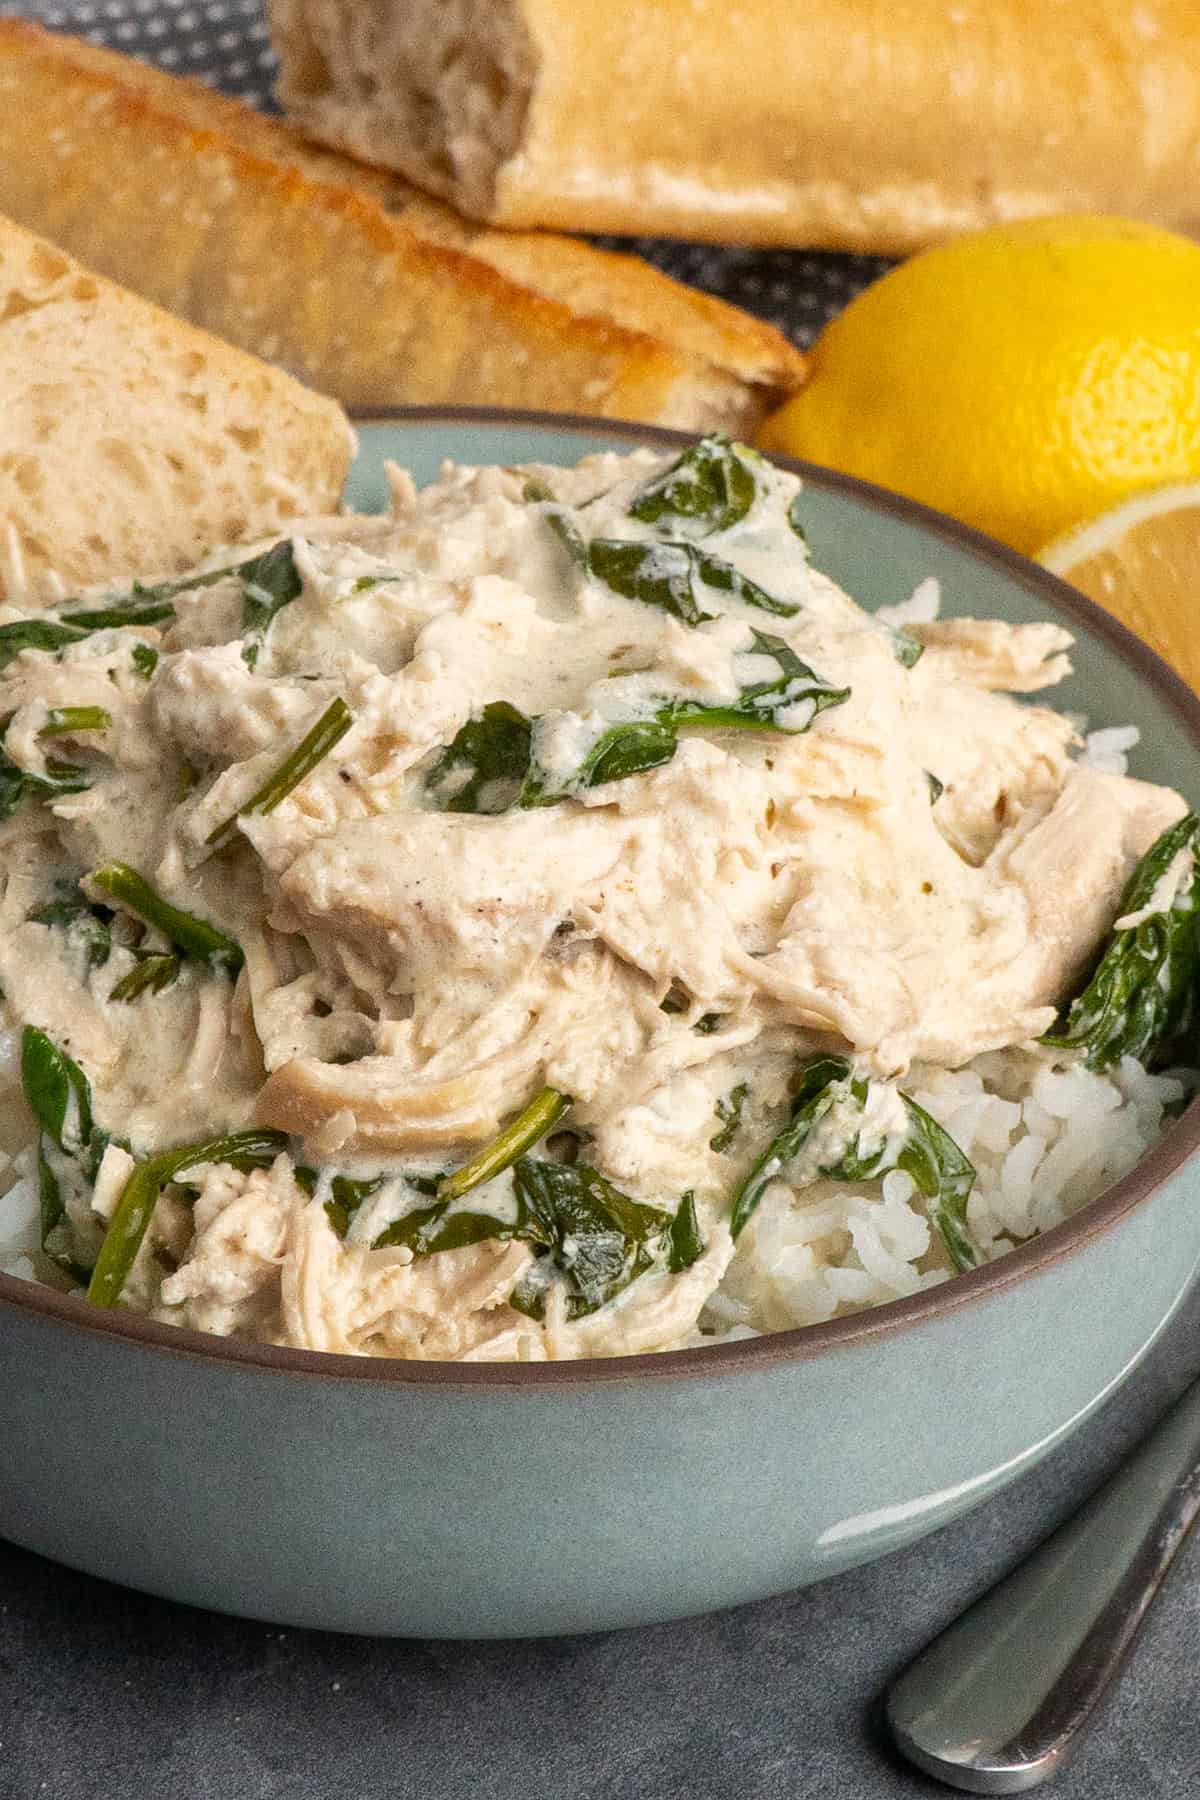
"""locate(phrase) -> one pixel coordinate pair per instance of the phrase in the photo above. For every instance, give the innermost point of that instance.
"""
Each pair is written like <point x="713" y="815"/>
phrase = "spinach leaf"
<point x="18" y="785"/>
<point x="269" y="583"/>
<point x="588" y="1234"/>
<point x="88" y="927"/>
<point x="664" y="575"/>
<point x="144" y="658"/>
<point x="59" y="1095"/>
<point x="937" y="1166"/>
<point x="684" y="1243"/>
<point x="795" y="518"/>
<point x="143" y="606"/>
<point x="153" y="971"/>
<point x="483" y="769"/>
<point x="789" y="703"/>
<point x="907" y="649"/>
<point x="312" y="749"/>
<point x="630" y="748"/>
<point x="57" y="1091"/>
<point x="1143" y="999"/>
<point x="925" y="1151"/>
<point x="148" y="606"/>
<point x="585" y="1230"/>
<point x="35" y="634"/>
<point x="345" y="1198"/>
<point x="123" y="1239"/>
<point x="428" y="1230"/>
<point x="823" y="1081"/>
<point x="729" y="1112"/>
<point x="57" y="777"/>
<point x="190" y="935"/>
<point x="560" y="519"/>
<point x="677" y="577"/>
<point x="765" y="705"/>
<point x="712" y="485"/>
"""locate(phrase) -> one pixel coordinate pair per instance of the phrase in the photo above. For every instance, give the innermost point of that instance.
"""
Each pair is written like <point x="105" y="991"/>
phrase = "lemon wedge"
<point x="1141" y="562"/>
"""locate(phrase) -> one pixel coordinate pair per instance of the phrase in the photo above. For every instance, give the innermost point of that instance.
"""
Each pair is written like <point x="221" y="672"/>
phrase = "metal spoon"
<point x="996" y="1703"/>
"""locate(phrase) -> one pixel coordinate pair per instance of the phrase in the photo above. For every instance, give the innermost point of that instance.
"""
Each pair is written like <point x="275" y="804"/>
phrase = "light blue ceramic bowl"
<point x="448" y="1501"/>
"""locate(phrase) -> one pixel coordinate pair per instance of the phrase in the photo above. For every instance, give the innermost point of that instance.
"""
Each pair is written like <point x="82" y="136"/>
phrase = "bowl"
<point x="443" y="1500"/>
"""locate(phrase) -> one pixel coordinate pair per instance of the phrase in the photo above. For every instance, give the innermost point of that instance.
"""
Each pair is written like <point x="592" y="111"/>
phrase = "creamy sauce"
<point x="414" y="976"/>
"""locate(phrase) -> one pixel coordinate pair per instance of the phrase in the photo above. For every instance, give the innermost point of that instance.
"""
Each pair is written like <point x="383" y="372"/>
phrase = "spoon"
<point x="995" y="1704"/>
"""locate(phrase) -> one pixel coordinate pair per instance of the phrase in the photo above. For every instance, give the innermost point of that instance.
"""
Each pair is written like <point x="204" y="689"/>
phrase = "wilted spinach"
<point x="88" y="927"/>
<point x="269" y="583"/>
<point x="925" y="1151"/>
<point x="244" y="1150"/>
<point x="190" y="935"/>
<point x="711" y="487"/>
<point x="59" y="1095"/>
<point x="588" y="1235"/>
<point x="1143" y="1000"/>
<point x="483" y="769"/>
<point x="678" y="577"/>
<point x="729" y="1112"/>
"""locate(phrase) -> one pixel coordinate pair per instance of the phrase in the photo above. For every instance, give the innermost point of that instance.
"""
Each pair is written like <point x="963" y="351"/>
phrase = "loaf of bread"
<point x="876" y="125"/>
<point x="348" y="276"/>
<point x="131" y="441"/>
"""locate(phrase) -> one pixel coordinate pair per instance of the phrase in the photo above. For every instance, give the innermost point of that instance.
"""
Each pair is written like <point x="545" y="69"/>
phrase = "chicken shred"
<point x="918" y="872"/>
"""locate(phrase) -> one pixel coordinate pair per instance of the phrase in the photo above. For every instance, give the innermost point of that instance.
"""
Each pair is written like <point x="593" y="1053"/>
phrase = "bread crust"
<point x="865" y="125"/>
<point x="346" y="275"/>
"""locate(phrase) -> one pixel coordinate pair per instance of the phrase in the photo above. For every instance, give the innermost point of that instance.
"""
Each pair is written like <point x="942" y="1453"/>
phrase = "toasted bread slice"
<point x="129" y="441"/>
<point x="345" y="275"/>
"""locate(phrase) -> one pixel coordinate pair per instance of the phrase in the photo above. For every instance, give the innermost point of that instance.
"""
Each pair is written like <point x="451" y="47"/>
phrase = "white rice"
<point x="1044" y="1141"/>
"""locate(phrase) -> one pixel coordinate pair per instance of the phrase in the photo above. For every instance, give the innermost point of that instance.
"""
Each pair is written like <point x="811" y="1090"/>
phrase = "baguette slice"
<point x="877" y="125"/>
<point x="346" y="275"/>
<point x="129" y="441"/>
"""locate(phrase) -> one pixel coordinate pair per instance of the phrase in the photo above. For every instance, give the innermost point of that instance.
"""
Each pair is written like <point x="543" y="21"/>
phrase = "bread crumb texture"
<point x="129" y="440"/>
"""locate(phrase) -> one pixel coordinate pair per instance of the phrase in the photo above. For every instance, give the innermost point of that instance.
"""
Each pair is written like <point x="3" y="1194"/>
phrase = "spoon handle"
<point x="996" y="1702"/>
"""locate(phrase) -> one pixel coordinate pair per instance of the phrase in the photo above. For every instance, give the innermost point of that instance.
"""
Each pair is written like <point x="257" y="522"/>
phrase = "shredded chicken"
<point x="909" y="867"/>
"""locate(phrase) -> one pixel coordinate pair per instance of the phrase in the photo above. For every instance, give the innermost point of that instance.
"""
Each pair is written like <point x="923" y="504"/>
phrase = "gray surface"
<point x="105" y="1694"/>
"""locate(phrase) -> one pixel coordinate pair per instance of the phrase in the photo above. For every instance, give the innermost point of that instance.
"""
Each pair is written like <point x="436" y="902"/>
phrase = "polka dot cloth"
<point x="226" y="43"/>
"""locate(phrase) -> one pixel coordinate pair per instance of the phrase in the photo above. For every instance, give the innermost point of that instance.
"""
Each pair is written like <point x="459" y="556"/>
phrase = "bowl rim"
<point x="801" y="1343"/>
